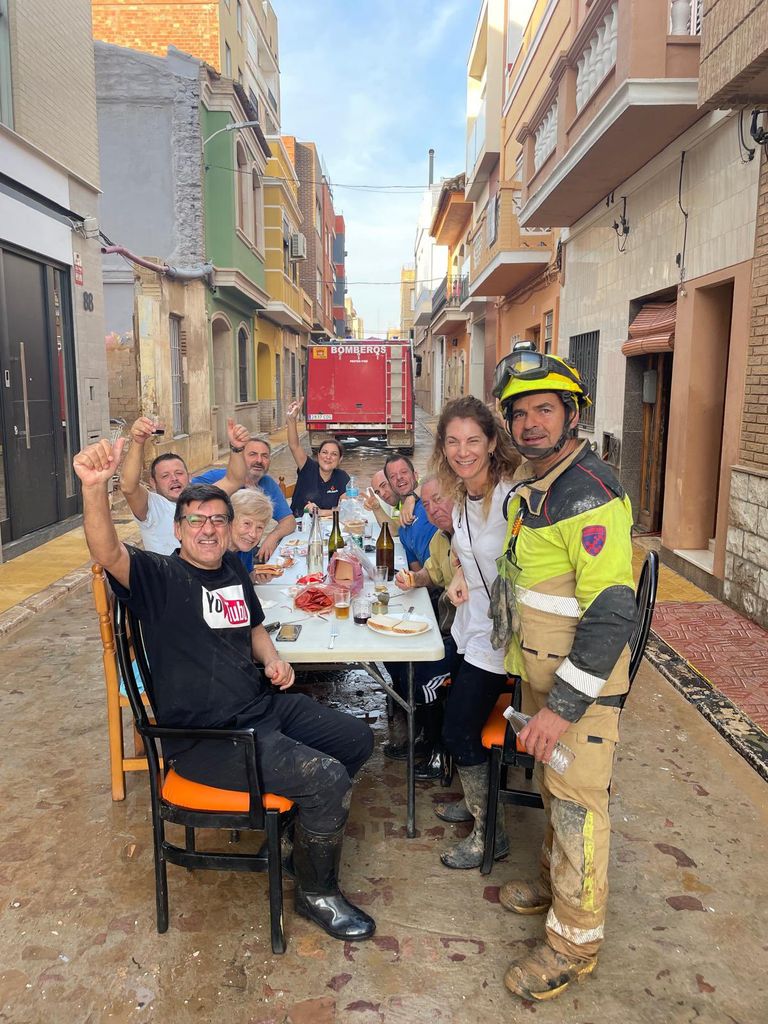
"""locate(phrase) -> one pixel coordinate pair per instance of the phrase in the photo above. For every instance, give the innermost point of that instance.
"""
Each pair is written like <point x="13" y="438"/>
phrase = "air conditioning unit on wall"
<point x="298" y="247"/>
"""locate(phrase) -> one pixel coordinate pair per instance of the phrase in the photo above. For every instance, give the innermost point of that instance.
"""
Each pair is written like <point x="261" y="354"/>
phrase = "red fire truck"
<point x="361" y="389"/>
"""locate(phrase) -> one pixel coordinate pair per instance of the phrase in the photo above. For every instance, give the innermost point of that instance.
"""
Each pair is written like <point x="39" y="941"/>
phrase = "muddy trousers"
<point x="574" y="856"/>
<point x="305" y="751"/>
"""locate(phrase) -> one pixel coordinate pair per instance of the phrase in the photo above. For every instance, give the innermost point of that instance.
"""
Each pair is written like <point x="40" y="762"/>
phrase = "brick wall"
<point x="754" y="433"/>
<point x="151" y="25"/>
<point x="304" y="162"/>
<point x="54" y="96"/>
<point x="746" y="566"/>
<point x="734" y="48"/>
<point x="123" y="372"/>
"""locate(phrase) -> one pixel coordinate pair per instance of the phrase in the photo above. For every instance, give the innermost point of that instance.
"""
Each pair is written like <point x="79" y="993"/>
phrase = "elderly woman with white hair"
<point x="253" y="518"/>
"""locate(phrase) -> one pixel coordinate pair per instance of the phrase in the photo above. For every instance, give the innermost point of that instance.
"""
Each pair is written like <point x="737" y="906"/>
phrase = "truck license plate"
<point x="319" y="416"/>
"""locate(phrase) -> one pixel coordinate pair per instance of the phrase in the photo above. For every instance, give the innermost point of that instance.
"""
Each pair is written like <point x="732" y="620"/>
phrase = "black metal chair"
<point x="500" y="739"/>
<point x="192" y="805"/>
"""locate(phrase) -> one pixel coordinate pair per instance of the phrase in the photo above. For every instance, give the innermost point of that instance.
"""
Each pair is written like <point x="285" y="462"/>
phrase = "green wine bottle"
<point x="336" y="540"/>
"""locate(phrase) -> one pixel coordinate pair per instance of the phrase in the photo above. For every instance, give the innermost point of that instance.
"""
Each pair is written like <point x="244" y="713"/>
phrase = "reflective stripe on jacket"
<point x="574" y="588"/>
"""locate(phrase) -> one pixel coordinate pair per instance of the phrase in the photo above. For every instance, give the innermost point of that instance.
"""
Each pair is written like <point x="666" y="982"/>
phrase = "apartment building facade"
<point x="449" y="228"/>
<point x="339" y="257"/>
<point x="282" y="328"/>
<point x="156" y="324"/>
<point x="407" y="300"/>
<point x="656" y="210"/>
<point x="355" y="324"/>
<point x="52" y="353"/>
<point x="430" y="266"/>
<point x="235" y="163"/>
<point x="238" y="38"/>
<point x="315" y="203"/>
<point x="734" y="74"/>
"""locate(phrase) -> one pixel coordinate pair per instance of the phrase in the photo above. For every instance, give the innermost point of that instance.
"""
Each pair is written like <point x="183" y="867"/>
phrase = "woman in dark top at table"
<point x="319" y="483"/>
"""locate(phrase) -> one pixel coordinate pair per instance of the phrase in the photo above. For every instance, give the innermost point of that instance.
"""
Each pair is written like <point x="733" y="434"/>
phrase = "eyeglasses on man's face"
<point x="197" y="520"/>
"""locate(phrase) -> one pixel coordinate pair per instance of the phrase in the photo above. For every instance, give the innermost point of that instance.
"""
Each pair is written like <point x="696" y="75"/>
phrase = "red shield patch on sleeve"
<point x="593" y="539"/>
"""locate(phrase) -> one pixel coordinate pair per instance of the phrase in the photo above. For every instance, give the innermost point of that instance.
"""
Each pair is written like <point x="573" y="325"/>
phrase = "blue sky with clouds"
<point x="374" y="85"/>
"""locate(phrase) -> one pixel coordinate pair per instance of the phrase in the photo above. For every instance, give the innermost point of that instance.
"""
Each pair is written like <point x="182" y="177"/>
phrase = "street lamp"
<point x="233" y="126"/>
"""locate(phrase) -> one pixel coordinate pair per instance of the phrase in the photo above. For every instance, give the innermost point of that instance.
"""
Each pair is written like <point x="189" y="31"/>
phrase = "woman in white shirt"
<point x="475" y="461"/>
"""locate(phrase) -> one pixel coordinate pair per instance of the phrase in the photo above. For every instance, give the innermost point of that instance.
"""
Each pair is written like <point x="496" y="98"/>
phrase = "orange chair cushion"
<point x="496" y="726"/>
<point x="197" y="797"/>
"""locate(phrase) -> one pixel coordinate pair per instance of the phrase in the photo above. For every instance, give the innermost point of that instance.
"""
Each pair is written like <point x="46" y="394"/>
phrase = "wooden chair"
<point x="182" y="802"/>
<point x="500" y="739"/>
<point x="119" y="763"/>
<point x="287" y="489"/>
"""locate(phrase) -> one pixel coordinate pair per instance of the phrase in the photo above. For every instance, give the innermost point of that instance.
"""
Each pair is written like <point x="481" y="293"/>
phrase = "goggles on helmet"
<point x="530" y="365"/>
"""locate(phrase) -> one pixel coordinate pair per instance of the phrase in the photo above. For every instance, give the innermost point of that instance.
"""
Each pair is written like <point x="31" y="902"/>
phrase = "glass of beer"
<point x="341" y="602"/>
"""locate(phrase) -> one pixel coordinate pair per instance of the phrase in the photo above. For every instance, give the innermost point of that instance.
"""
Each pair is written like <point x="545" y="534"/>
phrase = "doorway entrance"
<point x="656" y="385"/>
<point x="223" y="388"/>
<point x="39" y="432"/>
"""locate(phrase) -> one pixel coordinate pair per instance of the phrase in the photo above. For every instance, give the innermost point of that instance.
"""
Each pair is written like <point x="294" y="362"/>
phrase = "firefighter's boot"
<point x="468" y="853"/>
<point x="543" y="973"/>
<point x="526" y="897"/>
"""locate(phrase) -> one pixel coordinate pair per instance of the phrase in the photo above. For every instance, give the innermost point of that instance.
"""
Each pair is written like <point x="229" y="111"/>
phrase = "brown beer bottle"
<point x="385" y="550"/>
<point x="335" y="540"/>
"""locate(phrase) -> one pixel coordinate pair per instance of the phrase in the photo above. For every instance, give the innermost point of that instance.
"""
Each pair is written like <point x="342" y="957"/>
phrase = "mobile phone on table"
<point x="288" y="633"/>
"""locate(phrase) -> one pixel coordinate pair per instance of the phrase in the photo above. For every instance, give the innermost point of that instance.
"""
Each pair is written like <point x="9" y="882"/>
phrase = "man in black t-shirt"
<point x="202" y="625"/>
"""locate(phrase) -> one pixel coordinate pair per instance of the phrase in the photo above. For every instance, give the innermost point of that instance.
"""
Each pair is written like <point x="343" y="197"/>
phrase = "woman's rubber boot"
<point x="316" y="858"/>
<point x="468" y="853"/>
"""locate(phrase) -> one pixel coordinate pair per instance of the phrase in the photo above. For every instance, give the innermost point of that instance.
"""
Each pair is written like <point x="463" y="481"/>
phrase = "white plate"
<point x="266" y="605"/>
<point x="401" y="636"/>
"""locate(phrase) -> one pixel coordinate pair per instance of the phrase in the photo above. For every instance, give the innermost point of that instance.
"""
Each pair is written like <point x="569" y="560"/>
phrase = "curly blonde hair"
<point x="505" y="458"/>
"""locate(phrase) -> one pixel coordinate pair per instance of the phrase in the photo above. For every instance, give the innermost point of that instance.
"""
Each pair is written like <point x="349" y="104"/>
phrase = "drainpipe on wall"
<point x="204" y="272"/>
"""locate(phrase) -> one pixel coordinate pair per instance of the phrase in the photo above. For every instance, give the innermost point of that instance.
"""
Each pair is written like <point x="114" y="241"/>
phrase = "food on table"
<point x="406" y="577"/>
<point x="313" y="577"/>
<point x="313" y="599"/>
<point x="395" y="624"/>
<point x="269" y="570"/>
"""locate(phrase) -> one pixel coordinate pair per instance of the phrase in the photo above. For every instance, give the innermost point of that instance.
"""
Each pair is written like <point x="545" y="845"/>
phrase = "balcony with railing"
<point x="289" y="305"/>
<point x="422" y="310"/>
<point x="449" y="318"/>
<point x="623" y="90"/>
<point x="504" y="256"/>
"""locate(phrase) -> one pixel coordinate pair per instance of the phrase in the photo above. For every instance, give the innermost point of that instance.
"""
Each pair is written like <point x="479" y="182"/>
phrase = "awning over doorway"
<point x="652" y="330"/>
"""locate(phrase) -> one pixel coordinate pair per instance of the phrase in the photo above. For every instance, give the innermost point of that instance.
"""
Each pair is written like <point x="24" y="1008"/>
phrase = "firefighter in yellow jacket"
<point x="568" y="570"/>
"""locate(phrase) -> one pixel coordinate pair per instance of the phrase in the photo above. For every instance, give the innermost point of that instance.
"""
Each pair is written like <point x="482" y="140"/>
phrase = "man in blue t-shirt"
<point x="258" y="456"/>
<point x="415" y="537"/>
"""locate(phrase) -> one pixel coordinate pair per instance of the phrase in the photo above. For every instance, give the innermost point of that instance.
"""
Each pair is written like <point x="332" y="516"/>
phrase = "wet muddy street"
<point x="687" y="922"/>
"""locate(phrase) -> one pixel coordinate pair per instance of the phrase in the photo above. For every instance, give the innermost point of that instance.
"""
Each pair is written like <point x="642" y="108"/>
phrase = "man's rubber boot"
<point x="430" y="767"/>
<point x="543" y="973"/>
<point x="454" y="813"/>
<point x="526" y="897"/>
<point x="316" y="858"/>
<point x="468" y="853"/>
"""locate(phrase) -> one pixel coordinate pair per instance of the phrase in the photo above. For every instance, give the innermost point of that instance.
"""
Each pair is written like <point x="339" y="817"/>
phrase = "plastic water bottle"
<point x="561" y="757"/>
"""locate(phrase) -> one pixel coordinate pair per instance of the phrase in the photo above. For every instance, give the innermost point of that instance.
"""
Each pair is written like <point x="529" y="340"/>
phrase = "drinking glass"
<point x="380" y="579"/>
<point x="341" y="602"/>
<point x="361" y="610"/>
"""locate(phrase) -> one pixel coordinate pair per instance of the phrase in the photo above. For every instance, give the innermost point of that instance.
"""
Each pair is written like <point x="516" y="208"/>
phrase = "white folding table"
<point x="358" y="645"/>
